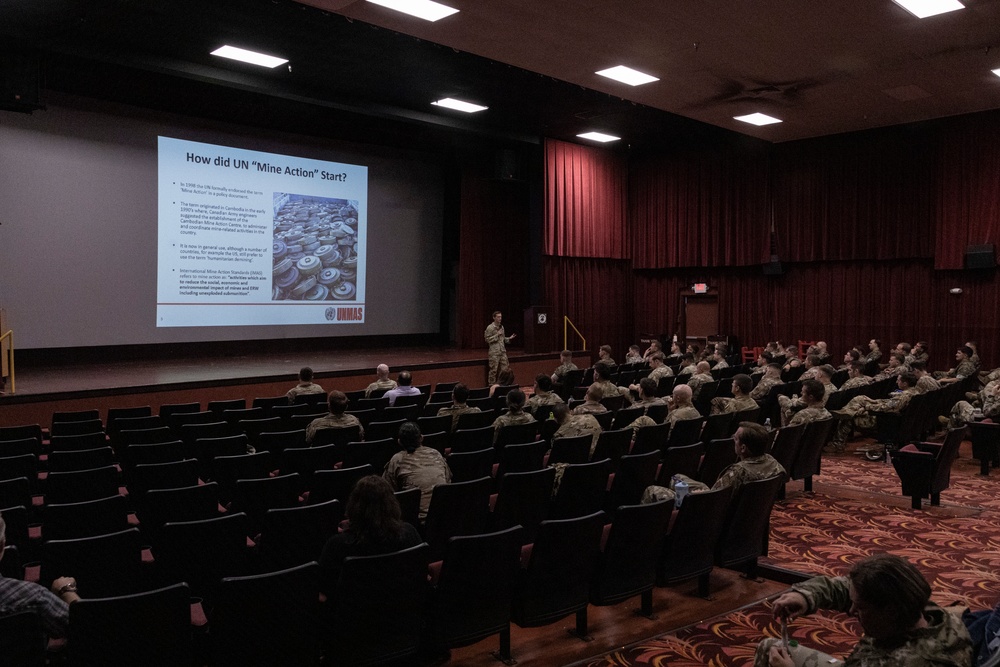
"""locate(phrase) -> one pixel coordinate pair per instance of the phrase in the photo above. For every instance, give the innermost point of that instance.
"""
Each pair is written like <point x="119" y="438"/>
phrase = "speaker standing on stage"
<point x="498" y="352"/>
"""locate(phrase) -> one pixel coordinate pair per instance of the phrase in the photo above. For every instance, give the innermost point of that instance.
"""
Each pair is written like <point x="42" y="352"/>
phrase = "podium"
<point x="539" y="329"/>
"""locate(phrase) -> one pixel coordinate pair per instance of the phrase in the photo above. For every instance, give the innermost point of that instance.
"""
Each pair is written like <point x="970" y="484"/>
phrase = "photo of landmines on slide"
<point x="315" y="248"/>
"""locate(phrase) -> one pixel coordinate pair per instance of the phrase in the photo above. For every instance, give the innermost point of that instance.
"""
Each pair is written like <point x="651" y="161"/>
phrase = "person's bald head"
<point x="682" y="394"/>
<point x="704" y="367"/>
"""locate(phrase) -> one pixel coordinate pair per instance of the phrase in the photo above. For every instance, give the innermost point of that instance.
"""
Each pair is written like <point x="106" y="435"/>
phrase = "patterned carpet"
<point x="856" y="510"/>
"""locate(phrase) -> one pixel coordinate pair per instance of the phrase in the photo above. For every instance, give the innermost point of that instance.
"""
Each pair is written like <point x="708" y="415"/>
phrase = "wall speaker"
<point x="980" y="257"/>
<point x="506" y="166"/>
<point x="773" y="268"/>
<point x="19" y="83"/>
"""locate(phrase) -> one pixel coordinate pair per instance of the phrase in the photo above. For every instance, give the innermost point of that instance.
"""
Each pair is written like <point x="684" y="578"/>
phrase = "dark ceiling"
<point x="823" y="67"/>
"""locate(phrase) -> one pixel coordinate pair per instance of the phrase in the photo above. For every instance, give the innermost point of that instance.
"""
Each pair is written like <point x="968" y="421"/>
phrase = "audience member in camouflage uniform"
<point x="592" y="402"/>
<point x="383" y="383"/>
<point x="719" y="359"/>
<point x="812" y="395"/>
<point x="688" y="366"/>
<point x="891" y="600"/>
<point x="681" y="405"/>
<point x="604" y="357"/>
<point x="515" y="413"/>
<point x="874" y="353"/>
<point x="964" y="369"/>
<point x="633" y="356"/>
<point x="659" y="370"/>
<point x="918" y="353"/>
<point x="337" y="402"/>
<point x="856" y="377"/>
<point x="702" y="376"/>
<point x="565" y="366"/>
<point x="654" y="347"/>
<point x="458" y="407"/>
<point x="925" y="381"/>
<point x="742" y="384"/>
<point x="772" y="378"/>
<point x="647" y="395"/>
<point x="602" y="378"/>
<point x="751" y="443"/>
<point x="963" y="412"/>
<point x="543" y="394"/>
<point x="763" y="360"/>
<point x="859" y="411"/>
<point x="791" y="405"/>
<point x="571" y="426"/>
<point x="897" y="365"/>
<point x="305" y="385"/>
<point x="495" y="338"/>
<point x="416" y="467"/>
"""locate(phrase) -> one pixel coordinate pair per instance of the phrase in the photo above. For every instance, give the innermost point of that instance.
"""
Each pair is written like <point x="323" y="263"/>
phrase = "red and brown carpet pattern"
<point x="856" y="510"/>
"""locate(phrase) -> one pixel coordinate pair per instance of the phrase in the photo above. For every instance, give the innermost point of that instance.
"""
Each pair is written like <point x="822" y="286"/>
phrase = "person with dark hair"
<point x="416" y="466"/>
<point x="602" y="378"/>
<point x="571" y="425"/>
<point x="382" y="383"/>
<point x="405" y="388"/>
<point x="891" y="600"/>
<point x="859" y="411"/>
<point x="633" y="356"/>
<point x="812" y="364"/>
<point x="763" y="359"/>
<point x="918" y="353"/>
<point x="742" y="384"/>
<point x="305" y="385"/>
<point x="497" y="342"/>
<point x="718" y="359"/>
<point x="925" y="381"/>
<point x="51" y="606"/>
<point x="772" y="377"/>
<point x="375" y="528"/>
<point x="337" y="417"/>
<point x="874" y="353"/>
<point x="604" y="357"/>
<point x="896" y="365"/>
<point x="856" y="375"/>
<point x="654" y="347"/>
<point x="849" y="358"/>
<point x="515" y="413"/>
<point x="812" y="394"/>
<point x="543" y="394"/>
<point x="962" y="370"/>
<point x="648" y="396"/>
<point x="565" y="366"/>
<point x="688" y="366"/>
<point x="458" y="407"/>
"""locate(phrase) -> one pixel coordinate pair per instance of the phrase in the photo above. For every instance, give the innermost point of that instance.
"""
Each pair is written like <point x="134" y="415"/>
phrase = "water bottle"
<point x="680" y="490"/>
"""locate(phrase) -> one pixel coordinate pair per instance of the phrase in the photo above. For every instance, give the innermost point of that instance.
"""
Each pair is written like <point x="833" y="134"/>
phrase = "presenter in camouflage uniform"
<point x="495" y="338"/>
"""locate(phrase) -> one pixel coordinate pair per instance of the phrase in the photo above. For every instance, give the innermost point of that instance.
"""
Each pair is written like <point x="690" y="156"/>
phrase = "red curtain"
<point x="862" y="196"/>
<point x="596" y="294"/>
<point x="968" y="192"/>
<point x="493" y="265"/>
<point x="585" y="193"/>
<point x="700" y="209"/>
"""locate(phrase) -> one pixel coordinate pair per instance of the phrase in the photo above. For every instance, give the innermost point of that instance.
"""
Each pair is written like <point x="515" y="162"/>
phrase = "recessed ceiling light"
<point x="758" y="119"/>
<point x="251" y="57"/>
<point x="627" y="75"/>
<point x="924" y="8"/>
<point x="459" y="105"/>
<point x="422" y="9"/>
<point x="599" y="136"/>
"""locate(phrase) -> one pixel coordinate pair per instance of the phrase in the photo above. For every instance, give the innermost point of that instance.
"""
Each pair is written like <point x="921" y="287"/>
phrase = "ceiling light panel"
<point x="599" y="136"/>
<point x="997" y="71"/>
<point x="627" y="75"/>
<point x="252" y="57"/>
<point x="924" y="8"/>
<point x="459" y="105"/>
<point x="422" y="9"/>
<point x="758" y="119"/>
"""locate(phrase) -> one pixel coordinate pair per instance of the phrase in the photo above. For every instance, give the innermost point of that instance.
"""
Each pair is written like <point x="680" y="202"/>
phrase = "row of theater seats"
<point x="291" y="513"/>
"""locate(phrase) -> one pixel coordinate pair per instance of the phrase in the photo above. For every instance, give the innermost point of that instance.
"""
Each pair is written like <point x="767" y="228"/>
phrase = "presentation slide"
<point x="253" y="238"/>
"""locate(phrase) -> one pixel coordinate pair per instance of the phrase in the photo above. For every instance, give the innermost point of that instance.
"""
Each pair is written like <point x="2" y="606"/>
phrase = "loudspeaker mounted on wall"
<point x="980" y="257"/>
<point x="506" y="166"/>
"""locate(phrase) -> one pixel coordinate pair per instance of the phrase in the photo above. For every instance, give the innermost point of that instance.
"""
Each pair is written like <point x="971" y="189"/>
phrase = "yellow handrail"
<point x="566" y="323"/>
<point x="10" y="357"/>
